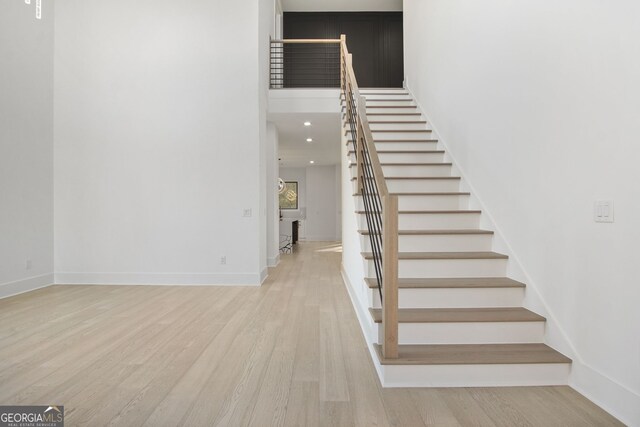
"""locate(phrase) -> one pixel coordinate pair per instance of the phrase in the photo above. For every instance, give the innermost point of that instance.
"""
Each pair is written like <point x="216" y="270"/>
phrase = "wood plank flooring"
<point x="287" y="354"/>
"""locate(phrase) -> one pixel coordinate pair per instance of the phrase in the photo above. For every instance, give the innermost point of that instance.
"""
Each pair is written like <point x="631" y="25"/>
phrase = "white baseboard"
<point x="264" y="275"/>
<point x="29" y="284"/>
<point x="599" y="388"/>
<point x="273" y="262"/>
<point x="175" y="279"/>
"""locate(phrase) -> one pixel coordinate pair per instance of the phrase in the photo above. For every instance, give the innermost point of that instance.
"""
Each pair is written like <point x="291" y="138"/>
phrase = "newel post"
<point x="390" y="276"/>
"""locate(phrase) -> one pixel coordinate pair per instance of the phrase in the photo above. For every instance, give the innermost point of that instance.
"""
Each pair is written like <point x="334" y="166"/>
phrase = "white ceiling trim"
<point x="342" y="5"/>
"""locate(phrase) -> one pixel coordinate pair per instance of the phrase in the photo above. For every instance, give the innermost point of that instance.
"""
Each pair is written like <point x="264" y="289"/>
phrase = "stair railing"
<point x="302" y="63"/>
<point x="380" y="206"/>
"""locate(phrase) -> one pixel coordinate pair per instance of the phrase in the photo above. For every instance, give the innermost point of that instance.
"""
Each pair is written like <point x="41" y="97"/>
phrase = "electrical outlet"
<point x="247" y="213"/>
<point x="223" y="260"/>
<point x="28" y="264"/>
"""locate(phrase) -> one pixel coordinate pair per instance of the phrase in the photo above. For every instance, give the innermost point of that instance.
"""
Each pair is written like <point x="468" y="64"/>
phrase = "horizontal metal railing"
<point x="304" y="64"/>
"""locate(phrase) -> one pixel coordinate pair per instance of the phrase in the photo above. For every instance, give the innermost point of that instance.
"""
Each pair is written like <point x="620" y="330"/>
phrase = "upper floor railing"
<point x="305" y="64"/>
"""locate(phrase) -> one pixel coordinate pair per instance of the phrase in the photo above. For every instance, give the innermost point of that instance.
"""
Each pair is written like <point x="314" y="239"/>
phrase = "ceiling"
<point x="341" y="5"/>
<point x="295" y="151"/>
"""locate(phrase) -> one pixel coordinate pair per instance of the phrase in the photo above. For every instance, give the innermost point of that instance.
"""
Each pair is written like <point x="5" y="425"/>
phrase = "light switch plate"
<point x="603" y="211"/>
<point x="247" y="213"/>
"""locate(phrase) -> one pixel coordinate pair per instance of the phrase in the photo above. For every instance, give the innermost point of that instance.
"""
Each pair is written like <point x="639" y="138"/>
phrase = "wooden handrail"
<point x="363" y="137"/>
<point x="307" y="41"/>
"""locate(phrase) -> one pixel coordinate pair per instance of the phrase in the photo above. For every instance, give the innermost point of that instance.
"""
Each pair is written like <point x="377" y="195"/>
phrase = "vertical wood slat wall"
<point x="375" y="40"/>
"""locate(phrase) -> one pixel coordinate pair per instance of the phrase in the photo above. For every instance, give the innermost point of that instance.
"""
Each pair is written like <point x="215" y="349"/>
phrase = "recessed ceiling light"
<point x="307" y="123"/>
<point x="309" y="139"/>
<point x="312" y="162"/>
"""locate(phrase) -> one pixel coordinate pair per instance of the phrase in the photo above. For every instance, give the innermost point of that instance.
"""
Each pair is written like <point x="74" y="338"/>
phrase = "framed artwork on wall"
<point x="289" y="195"/>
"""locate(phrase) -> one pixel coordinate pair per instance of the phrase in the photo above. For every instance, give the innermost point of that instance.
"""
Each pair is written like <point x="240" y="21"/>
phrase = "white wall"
<point x="266" y="31"/>
<point x="26" y="147"/>
<point x="157" y="142"/>
<point x="273" y="216"/>
<point x="538" y="103"/>
<point x="318" y="201"/>
<point x="322" y="207"/>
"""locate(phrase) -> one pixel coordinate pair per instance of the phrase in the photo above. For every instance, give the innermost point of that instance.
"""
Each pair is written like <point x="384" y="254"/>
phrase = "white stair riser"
<point x="410" y="146"/>
<point x="412" y="136"/>
<point x="446" y="268"/>
<point x="420" y="185"/>
<point x="395" y="117"/>
<point x="386" y="96"/>
<point x="426" y="185"/>
<point x="387" y="91"/>
<point x="439" y="243"/>
<point x="392" y="110"/>
<point x="468" y="333"/>
<point x="406" y="157"/>
<point x="402" y="145"/>
<point x="538" y="374"/>
<point x="455" y="298"/>
<point x="427" y="203"/>
<point x="386" y="103"/>
<point x="433" y="221"/>
<point x="408" y="172"/>
<point x="396" y="126"/>
<point x="444" y="170"/>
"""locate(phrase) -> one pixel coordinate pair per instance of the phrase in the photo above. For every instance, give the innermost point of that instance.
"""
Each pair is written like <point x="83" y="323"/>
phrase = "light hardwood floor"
<point x="289" y="353"/>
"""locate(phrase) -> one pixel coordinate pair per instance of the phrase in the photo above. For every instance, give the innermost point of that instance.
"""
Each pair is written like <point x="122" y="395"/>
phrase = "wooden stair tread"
<point x="389" y="99"/>
<point x="461" y="315"/>
<point x="391" y="106"/>
<point x="405" y="141"/>
<point x="474" y="354"/>
<point x="394" y="114"/>
<point x="401" y="130"/>
<point x="442" y="232"/>
<point x="432" y="178"/>
<point x="396" y="141"/>
<point x="350" y="140"/>
<point x="451" y="193"/>
<point x="443" y="255"/>
<point x="374" y="131"/>
<point x="409" y="164"/>
<point x="366" y="92"/>
<point x="427" y="178"/>
<point x="396" y="122"/>
<point x="452" y="283"/>
<point x="405" y="151"/>
<point x="447" y="212"/>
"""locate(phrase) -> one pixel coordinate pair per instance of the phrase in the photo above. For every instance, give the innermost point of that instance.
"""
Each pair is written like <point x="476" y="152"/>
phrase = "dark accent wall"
<point x="374" y="39"/>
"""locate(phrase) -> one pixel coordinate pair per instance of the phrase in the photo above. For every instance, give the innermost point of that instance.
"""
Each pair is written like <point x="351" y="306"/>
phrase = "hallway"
<point x="287" y="353"/>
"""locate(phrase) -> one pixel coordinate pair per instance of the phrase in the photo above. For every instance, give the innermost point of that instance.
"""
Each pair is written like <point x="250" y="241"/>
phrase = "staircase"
<point x="460" y="319"/>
